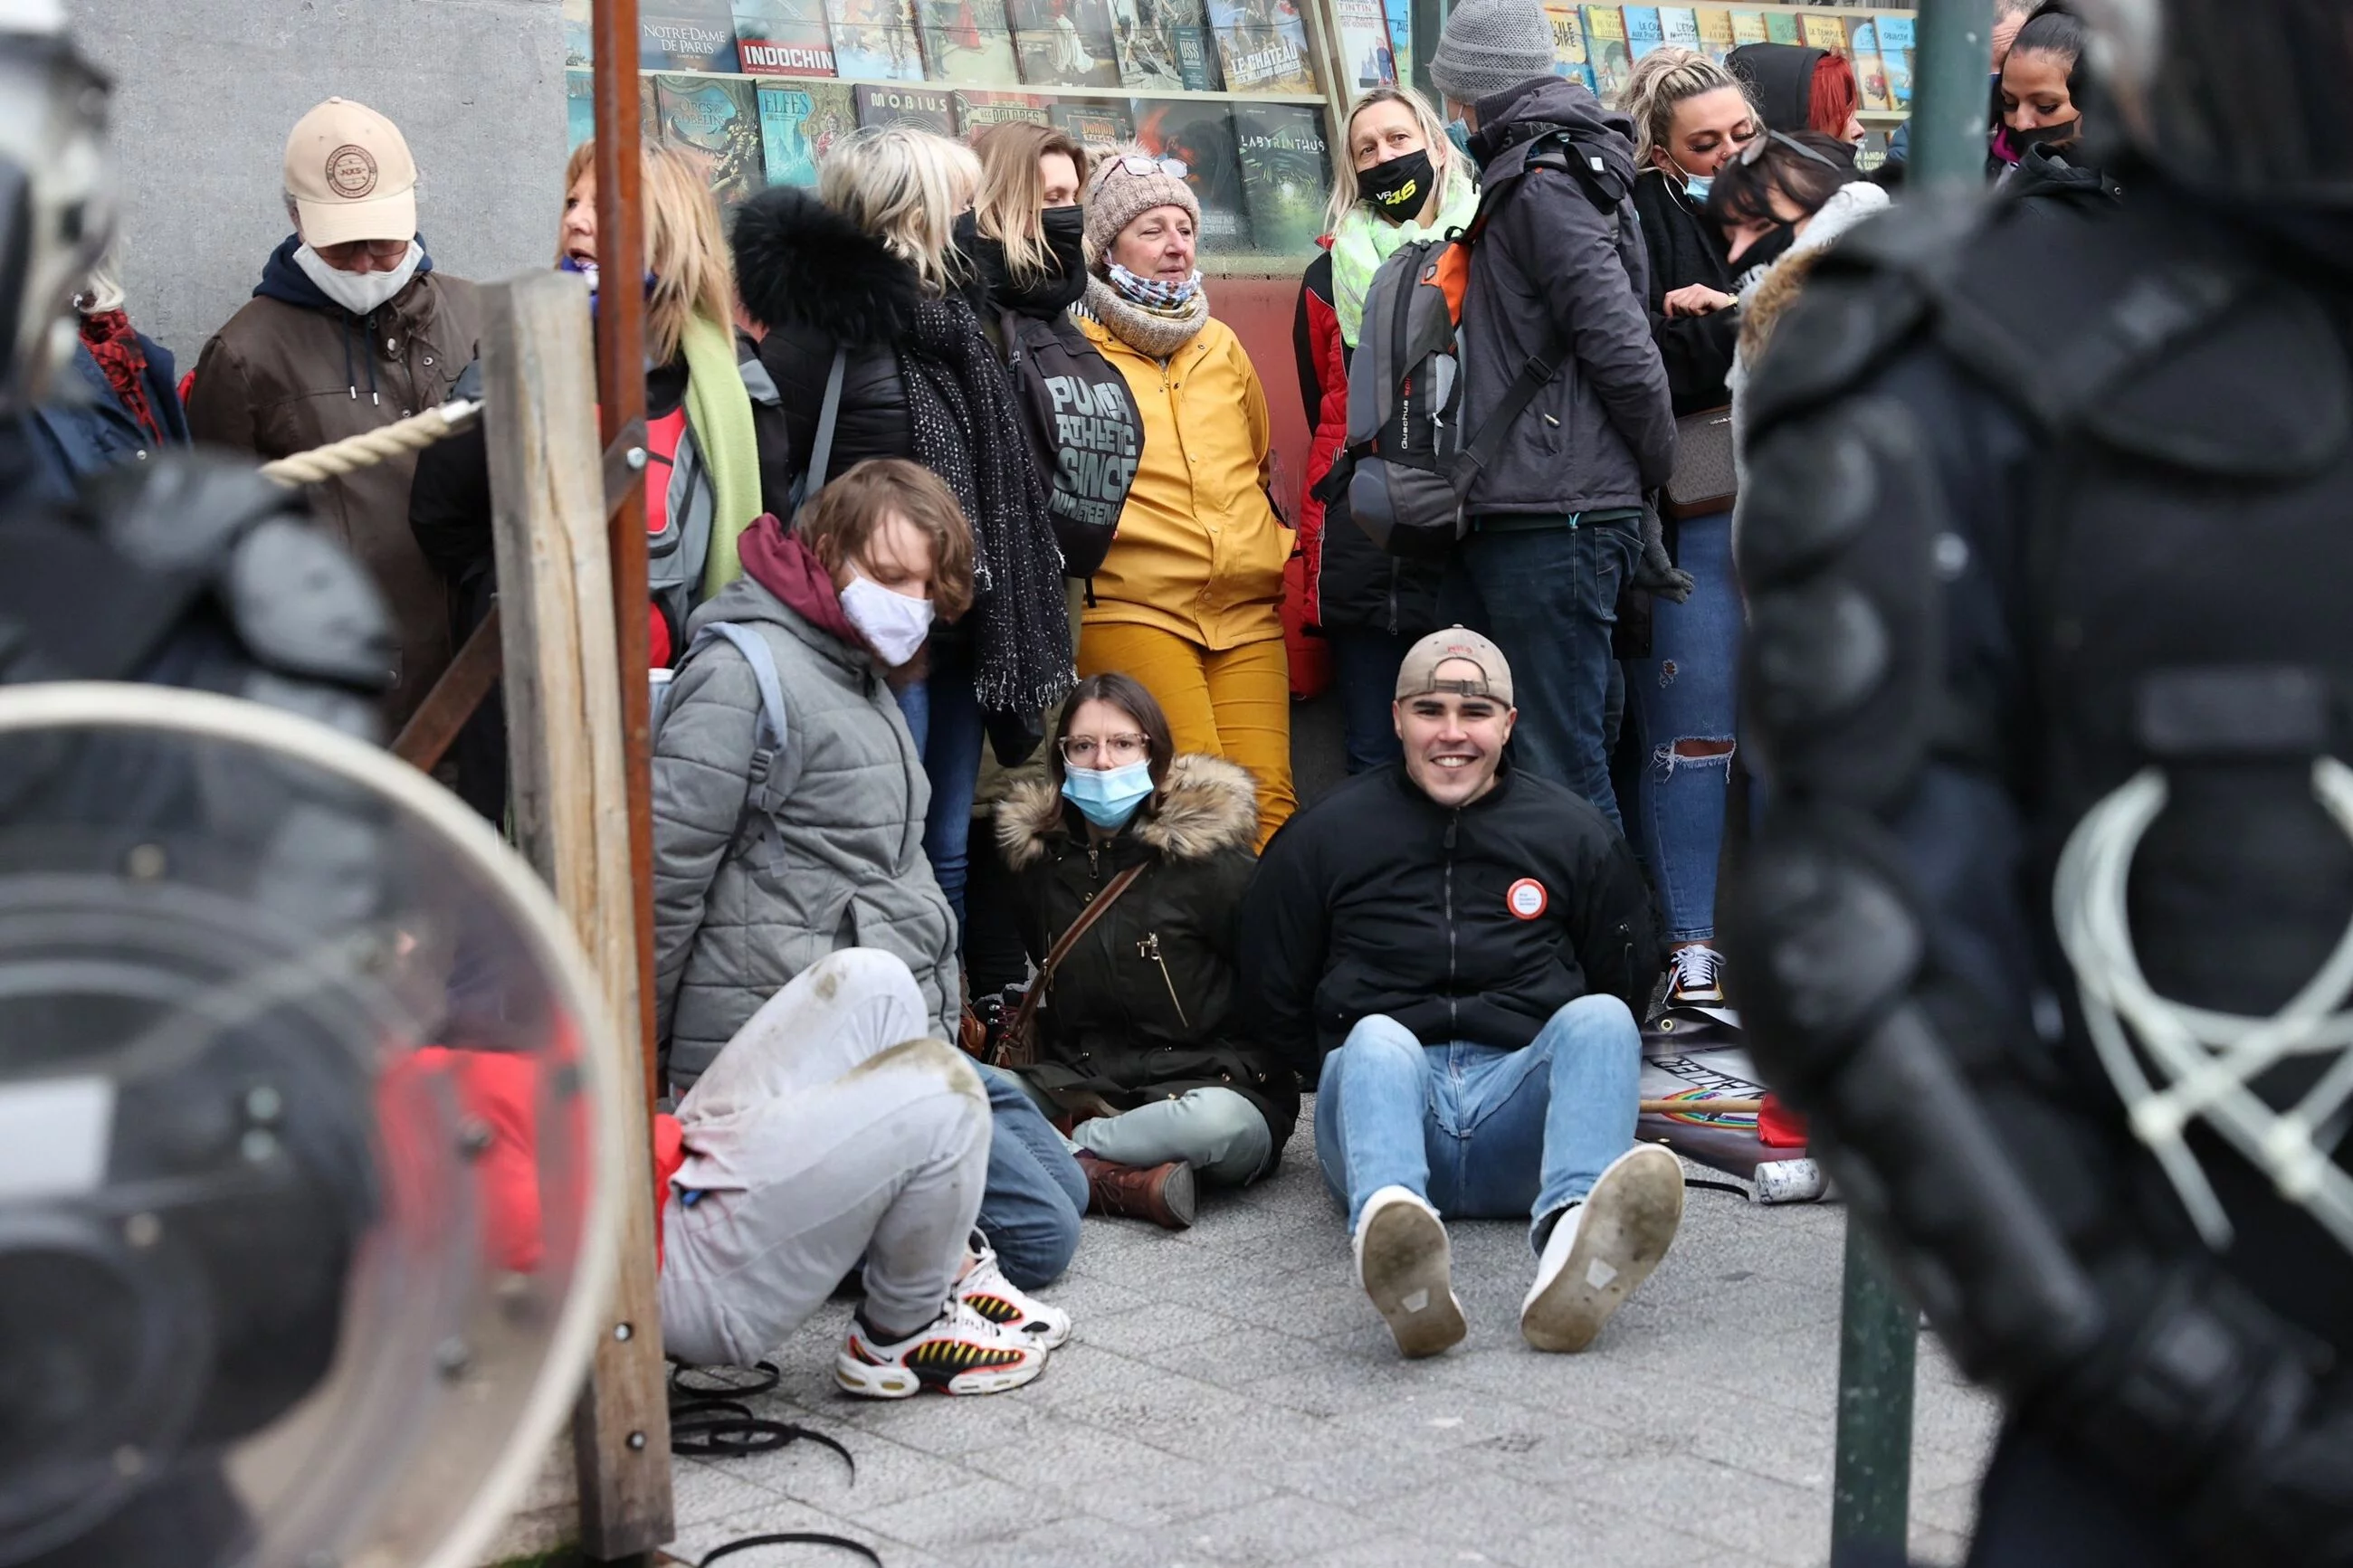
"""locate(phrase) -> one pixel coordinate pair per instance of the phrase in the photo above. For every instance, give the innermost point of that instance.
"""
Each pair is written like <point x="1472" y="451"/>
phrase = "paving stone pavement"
<point x="1230" y="1400"/>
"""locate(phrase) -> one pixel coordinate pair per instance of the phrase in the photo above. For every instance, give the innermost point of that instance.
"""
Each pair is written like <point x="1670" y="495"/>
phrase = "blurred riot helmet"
<point x="2238" y="98"/>
<point x="56" y="215"/>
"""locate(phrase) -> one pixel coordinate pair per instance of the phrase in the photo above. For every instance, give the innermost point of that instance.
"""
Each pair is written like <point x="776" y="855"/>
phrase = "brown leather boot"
<point x="1161" y="1193"/>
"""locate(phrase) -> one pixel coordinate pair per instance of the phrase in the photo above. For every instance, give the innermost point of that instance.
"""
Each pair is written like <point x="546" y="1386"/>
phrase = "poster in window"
<point x="976" y="112"/>
<point x="1263" y="45"/>
<point x="1096" y="122"/>
<point x="715" y="122"/>
<point x="1064" y="43"/>
<point x="924" y="108"/>
<point x="1897" y="38"/>
<point x="686" y="36"/>
<point x="783" y="37"/>
<point x="1286" y="173"/>
<point x="1365" y="50"/>
<point x="1570" y="59"/>
<point x="1870" y="72"/>
<point x="1164" y="46"/>
<point x="1200" y="135"/>
<point x="874" y="40"/>
<point x="799" y="120"/>
<point x="966" y="41"/>
<point x="1605" y="43"/>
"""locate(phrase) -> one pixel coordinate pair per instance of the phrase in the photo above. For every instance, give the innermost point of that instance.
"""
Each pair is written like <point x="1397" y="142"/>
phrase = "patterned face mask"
<point x="1155" y="293"/>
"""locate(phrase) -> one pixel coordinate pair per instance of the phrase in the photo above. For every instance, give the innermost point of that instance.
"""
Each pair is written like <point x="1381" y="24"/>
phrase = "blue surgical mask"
<point x="1695" y="186"/>
<point x="1459" y="133"/>
<point x="1108" y="796"/>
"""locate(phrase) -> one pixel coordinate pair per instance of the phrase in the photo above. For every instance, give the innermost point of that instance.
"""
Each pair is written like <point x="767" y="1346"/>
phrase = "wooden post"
<point x="565" y="674"/>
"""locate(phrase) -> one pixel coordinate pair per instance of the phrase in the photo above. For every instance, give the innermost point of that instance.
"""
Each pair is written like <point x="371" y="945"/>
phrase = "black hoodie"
<point x="1780" y="78"/>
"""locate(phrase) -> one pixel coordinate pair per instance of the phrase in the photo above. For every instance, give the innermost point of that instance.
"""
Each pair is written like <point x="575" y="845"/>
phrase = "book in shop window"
<point x="1748" y="28"/>
<point x="1093" y="123"/>
<point x="1642" y="32"/>
<point x="1715" y="38"/>
<point x="686" y="36"/>
<point x="976" y="112"/>
<point x="1870" y="72"/>
<point x="1679" y="28"/>
<point x="798" y="121"/>
<point x="1263" y="45"/>
<point x="1200" y="135"/>
<point x="1896" y="39"/>
<point x="783" y="38"/>
<point x="875" y="40"/>
<point x="1286" y="164"/>
<point x="1064" y="43"/>
<point x="1780" y="27"/>
<point x="1164" y="46"/>
<point x="1825" y="32"/>
<point x="1364" y="48"/>
<point x="919" y="107"/>
<point x="966" y="41"/>
<point x="1400" y="15"/>
<point x="1570" y="58"/>
<point x="715" y="122"/>
<point x="1605" y="43"/>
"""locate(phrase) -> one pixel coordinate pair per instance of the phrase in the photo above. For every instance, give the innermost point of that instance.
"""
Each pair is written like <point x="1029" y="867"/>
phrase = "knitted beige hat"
<point x="1127" y="181"/>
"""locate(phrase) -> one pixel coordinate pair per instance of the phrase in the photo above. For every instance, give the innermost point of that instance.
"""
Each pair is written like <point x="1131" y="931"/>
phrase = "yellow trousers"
<point x="1235" y="704"/>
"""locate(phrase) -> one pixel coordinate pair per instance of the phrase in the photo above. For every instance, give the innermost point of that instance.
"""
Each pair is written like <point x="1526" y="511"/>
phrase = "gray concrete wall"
<point x="206" y="91"/>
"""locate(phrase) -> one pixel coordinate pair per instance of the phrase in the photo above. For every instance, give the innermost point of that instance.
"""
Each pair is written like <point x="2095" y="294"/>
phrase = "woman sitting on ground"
<point x="1137" y="1036"/>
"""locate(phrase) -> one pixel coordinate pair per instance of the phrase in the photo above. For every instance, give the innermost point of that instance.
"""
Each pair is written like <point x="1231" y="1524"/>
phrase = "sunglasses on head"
<point x="1755" y="148"/>
<point x="1137" y="164"/>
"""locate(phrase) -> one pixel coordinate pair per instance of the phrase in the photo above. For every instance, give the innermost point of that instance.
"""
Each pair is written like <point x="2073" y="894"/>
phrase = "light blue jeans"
<point x="1035" y="1190"/>
<point x="1683" y="701"/>
<point x="1480" y="1131"/>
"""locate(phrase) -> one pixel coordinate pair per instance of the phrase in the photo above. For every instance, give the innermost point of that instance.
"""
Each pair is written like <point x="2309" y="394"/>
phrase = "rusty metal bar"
<point x="472" y="675"/>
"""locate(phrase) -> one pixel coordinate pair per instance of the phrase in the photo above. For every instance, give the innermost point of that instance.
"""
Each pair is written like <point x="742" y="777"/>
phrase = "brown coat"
<point x="282" y="378"/>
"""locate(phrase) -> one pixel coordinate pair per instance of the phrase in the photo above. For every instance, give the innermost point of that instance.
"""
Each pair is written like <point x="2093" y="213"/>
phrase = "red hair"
<point x="1835" y="97"/>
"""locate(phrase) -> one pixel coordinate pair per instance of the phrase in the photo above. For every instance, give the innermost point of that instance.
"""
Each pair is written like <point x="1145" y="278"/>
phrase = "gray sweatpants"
<point x="828" y="1128"/>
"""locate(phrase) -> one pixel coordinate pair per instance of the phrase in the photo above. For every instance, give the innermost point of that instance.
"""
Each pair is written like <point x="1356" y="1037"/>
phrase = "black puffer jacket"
<point x="1121" y="1022"/>
<point x="2052" y="189"/>
<point x="816" y="281"/>
<point x="1475" y="924"/>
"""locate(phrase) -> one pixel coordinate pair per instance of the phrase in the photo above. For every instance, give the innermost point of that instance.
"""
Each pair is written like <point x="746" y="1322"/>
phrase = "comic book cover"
<point x="1715" y="39"/>
<point x="1679" y="26"/>
<point x="1165" y="46"/>
<point x="1064" y="43"/>
<point x="976" y="112"/>
<point x="1364" y="44"/>
<point x="1400" y="14"/>
<point x="1605" y="46"/>
<point x="579" y="34"/>
<point x="715" y="122"/>
<point x="1570" y="59"/>
<point x="1200" y="135"/>
<point x="966" y="41"/>
<point x="1781" y="28"/>
<point x="1095" y="122"/>
<point x="1897" y="40"/>
<point x="1748" y="28"/>
<point x="799" y="120"/>
<point x="1642" y="31"/>
<point x="579" y="107"/>
<point x="1870" y="74"/>
<point x="686" y="36"/>
<point x="1286" y="164"/>
<point x="1824" y="33"/>
<point x="875" y="40"/>
<point x="925" y="109"/>
<point x="1263" y="45"/>
<point x="783" y="37"/>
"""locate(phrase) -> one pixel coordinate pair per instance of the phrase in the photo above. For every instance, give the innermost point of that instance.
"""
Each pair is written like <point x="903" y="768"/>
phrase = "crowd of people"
<point x="967" y="582"/>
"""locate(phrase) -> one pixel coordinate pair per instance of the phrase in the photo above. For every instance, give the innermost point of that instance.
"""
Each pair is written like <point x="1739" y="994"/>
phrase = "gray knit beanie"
<point x="1487" y="45"/>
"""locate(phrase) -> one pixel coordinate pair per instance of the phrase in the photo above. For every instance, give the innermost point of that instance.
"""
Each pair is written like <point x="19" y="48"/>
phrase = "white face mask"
<point x="893" y="625"/>
<point x="360" y="293"/>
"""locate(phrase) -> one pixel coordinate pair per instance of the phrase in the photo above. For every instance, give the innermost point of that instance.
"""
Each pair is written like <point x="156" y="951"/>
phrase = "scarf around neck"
<point x="1155" y="332"/>
<point x="1363" y="241"/>
<point x="784" y="565"/>
<point x="120" y="358"/>
<point x="719" y="412"/>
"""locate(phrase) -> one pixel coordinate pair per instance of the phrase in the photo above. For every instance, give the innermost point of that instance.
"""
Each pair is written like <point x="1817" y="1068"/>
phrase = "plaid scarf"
<point x="109" y="336"/>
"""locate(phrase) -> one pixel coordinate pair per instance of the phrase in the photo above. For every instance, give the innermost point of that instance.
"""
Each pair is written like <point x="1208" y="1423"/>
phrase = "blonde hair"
<point x="1440" y="146"/>
<point x="686" y="245"/>
<point x="904" y="187"/>
<point x="102" y="290"/>
<point x="1662" y="80"/>
<point x="1011" y="204"/>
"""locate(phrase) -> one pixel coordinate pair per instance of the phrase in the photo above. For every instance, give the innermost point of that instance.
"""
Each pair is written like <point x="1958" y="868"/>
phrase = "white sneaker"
<point x="960" y="1353"/>
<point x="1695" y="976"/>
<point x="1403" y="1261"/>
<point x="1601" y="1249"/>
<point x="1016" y="1312"/>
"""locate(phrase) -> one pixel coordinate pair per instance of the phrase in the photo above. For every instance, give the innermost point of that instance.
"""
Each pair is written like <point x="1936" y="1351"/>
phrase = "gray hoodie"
<point x="1553" y="268"/>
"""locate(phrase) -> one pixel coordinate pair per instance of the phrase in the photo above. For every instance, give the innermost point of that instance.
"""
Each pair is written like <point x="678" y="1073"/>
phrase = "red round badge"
<point x="1525" y="898"/>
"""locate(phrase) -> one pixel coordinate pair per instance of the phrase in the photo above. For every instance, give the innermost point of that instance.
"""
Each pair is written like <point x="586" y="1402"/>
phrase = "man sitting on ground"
<point x="1463" y="944"/>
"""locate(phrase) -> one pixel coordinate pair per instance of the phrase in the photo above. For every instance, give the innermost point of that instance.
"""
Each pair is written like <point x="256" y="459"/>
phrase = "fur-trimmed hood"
<point x="1772" y="293"/>
<point x="798" y="263"/>
<point x="1209" y="804"/>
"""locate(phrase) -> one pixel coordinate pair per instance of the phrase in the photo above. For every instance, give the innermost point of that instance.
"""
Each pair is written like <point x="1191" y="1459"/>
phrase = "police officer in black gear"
<point x="2050" y="669"/>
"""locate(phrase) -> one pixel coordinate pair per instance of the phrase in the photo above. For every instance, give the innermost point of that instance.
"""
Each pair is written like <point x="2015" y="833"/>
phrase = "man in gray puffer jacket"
<point x="788" y="823"/>
<point x="1555" y="518"/>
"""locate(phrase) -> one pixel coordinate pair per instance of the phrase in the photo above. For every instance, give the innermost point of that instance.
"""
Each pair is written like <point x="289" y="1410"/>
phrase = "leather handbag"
<point x="1703" y="482"/>
<point x="1017" y="1044"/>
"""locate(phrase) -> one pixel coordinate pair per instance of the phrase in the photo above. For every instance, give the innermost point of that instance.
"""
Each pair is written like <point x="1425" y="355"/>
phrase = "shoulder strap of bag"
<point x="763" y="660"/>
<point x="1061" y="949"/>
<point x="821" y="452"/>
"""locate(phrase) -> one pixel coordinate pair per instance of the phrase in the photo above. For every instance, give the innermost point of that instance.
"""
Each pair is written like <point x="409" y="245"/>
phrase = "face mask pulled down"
<point x="1109" y="796"/>
<point x="893" y="625"/>
<point x="360" y="293"/>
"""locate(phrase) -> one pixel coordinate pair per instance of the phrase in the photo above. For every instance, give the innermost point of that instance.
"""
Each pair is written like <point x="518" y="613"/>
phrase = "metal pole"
<point x="1878" y="1332"/>
<point x="621" y="405"/>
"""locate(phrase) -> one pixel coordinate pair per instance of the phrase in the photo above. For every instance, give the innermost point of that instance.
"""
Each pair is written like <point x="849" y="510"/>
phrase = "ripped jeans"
<point x="1683" y="701"/>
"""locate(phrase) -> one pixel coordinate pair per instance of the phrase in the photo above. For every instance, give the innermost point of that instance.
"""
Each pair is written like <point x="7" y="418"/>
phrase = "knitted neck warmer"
<point x="1155" y="293"/>
<point x="1363" y="241"/>
<point x="1149" y="330"/>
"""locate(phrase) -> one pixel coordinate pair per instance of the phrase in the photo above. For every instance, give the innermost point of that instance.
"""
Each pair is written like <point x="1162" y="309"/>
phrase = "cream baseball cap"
<point x="349" y="171"/>
<point x="1418" y="672"/>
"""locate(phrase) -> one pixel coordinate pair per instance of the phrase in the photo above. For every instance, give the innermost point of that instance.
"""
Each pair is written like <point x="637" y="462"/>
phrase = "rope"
<point x="353" y="453"/>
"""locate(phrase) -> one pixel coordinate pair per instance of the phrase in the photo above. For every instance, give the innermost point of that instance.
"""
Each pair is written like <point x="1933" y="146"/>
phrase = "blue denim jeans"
<point x="1036" y="1192"/>
<point x="1364" y="670"/>
<point x="1480" y="1131"/>
<point x="944" y="716"/>
<point x="1548" y="597"/>
<point x="1684" y="701"/>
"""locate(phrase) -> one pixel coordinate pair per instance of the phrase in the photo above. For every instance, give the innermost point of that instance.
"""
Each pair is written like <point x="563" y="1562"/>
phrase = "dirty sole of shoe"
<point x="1408" y="1273"/>
<point x="1628" y="1222"/>
<point x="896" y="1381"/>
<point x="1181" y="1196"/>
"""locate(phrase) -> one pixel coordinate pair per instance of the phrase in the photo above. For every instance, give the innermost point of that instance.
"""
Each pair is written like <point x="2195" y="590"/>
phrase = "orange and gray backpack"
<point x="1408" y="464"/>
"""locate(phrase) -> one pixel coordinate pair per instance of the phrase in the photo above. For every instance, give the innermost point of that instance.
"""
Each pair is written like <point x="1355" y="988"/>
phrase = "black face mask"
<point x="1065" y="229"/>
<point x="1396" y="190"/>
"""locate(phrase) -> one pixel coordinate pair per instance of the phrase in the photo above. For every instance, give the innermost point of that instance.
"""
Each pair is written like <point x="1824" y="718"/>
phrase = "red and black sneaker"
<point x="960" y="1353"/>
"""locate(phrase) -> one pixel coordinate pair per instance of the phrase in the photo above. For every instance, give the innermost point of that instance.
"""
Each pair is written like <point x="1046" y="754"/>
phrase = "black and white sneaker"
<point x="960" y="1353"/>
<point x="1016" y="1312"/>
<point x="1695" y="976"/>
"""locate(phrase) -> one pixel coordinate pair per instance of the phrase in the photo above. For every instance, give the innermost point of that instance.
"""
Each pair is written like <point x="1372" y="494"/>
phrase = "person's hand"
<point x="1698" y="299"/>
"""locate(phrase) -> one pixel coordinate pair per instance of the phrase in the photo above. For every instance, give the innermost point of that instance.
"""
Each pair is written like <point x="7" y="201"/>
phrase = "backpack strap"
<point x="822" y="451"/>
<point x="773" y="729"/>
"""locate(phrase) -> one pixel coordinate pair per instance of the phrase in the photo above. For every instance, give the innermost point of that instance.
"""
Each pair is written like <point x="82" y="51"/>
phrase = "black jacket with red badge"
<point x="1145" y="1005"/>
<point x="1474" y="924"/>
<point x="1351" y="581"/>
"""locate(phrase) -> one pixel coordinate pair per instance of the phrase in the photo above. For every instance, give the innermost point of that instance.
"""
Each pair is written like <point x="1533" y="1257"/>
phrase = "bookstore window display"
<point x="1240" y="91"/>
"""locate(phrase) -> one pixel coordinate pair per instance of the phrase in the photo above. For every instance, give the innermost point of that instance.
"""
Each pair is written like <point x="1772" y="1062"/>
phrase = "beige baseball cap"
<point x="1418" y="675"/>
<point x="349" y="171"/>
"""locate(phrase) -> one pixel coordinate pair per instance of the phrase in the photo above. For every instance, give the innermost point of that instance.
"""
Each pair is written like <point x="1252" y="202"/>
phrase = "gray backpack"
<point x="773" y="729"/>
